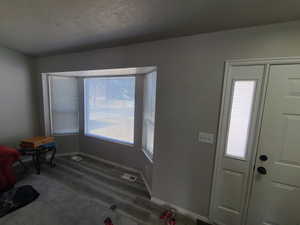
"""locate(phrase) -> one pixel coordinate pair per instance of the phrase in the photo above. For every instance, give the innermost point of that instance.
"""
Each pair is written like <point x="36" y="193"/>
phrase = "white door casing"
<point x="260" y="212"/>
<point x="275" y="197"/>
<point x="241" y="97"/>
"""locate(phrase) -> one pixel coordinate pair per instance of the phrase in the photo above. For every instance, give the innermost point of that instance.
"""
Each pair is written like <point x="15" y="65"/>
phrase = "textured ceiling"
<point x="41" y="27"/>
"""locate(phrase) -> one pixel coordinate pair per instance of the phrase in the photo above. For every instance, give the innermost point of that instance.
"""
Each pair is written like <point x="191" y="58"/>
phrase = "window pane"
<point x="149" y="112"/>
<point x="148" y="136"/>
<point x="64" y="105"/>
<point x="109" y="108"/>
<point x="240" y="117"/>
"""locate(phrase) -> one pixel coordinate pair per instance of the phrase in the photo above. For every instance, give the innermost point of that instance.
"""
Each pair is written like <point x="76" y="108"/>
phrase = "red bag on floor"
<point x="7" y="176"/>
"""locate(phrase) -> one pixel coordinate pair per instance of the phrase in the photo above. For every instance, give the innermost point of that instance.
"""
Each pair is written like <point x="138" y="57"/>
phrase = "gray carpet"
<point x="81" y="193"/>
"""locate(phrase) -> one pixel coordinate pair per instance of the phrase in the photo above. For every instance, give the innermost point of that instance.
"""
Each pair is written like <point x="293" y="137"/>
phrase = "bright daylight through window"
<point x="110" y="107"/>
<point x="240" y="118"/>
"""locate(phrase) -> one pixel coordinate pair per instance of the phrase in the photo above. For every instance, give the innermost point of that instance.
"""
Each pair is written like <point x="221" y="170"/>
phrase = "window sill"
<point x="65" y="134"/>
<point x="109" y="140"/>
<point x="148" y="155"/>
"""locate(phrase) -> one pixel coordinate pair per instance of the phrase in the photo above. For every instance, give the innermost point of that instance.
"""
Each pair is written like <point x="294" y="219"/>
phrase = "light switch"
<point x="206" y="137"/>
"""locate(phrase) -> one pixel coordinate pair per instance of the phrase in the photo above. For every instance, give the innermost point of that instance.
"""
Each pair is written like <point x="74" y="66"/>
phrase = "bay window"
<point x="115" y="105"/>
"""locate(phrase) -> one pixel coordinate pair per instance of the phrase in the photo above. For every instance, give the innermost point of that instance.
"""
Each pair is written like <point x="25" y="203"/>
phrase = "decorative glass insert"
<point x="240" y="118"/>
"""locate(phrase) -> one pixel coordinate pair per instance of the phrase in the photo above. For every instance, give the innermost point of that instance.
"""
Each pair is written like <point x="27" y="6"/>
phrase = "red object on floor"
<point x="108" y="221"/>
<point x="166" y="215"/>
<point x="7" y="157"/>
<point x="171" y="221"/>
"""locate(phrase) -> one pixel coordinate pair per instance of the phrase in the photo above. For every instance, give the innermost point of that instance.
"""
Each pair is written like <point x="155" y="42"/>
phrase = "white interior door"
<point x="275" y="198"/>
<point x="241" y="97"/>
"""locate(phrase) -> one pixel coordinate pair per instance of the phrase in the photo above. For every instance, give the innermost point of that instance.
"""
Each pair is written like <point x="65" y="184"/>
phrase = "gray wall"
<point x="190" y="74"/>
<point x="67" y="144"/>
<point x="17" y="98"/>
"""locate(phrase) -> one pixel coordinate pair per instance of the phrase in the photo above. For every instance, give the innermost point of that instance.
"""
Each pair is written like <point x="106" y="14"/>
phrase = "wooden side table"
<point x="36" y="154"/>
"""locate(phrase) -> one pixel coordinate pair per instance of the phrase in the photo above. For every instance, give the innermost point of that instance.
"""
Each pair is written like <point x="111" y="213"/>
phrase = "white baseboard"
<point x="182" y="211"/>
<point x="146" y="183"/>
<point x="109" y="162"/>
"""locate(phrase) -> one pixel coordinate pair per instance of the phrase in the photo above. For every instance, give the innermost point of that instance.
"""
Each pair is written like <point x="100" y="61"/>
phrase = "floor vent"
<point x="76" y="158"/>
<point x="129" y="177"/>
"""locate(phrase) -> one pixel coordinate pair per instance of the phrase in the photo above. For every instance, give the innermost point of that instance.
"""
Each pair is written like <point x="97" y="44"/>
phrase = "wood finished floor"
<point x="82" y="193"/>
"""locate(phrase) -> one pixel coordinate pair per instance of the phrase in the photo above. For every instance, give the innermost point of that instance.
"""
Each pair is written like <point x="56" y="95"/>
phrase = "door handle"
<point x="262" y="170"/>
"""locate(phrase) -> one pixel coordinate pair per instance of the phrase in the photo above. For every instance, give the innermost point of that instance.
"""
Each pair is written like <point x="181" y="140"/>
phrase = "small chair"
<point x="8" y="156"/>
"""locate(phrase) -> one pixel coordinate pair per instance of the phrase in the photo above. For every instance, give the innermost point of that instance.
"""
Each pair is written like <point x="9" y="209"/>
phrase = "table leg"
<point x="52" y="164"/>
<point x="23" y="165"/>
<point x="34" y="160"/>
<point x="37" y="161"/>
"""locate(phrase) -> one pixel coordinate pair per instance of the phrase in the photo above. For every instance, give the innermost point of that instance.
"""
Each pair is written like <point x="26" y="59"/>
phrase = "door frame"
<point x="266" y="62"/>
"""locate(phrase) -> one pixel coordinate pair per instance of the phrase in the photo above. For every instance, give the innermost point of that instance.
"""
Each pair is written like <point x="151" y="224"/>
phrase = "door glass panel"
<point x="240" y="118"/>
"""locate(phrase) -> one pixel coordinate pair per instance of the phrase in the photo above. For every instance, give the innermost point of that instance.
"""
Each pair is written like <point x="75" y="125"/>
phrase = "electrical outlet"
<point x="206" y="137"/>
